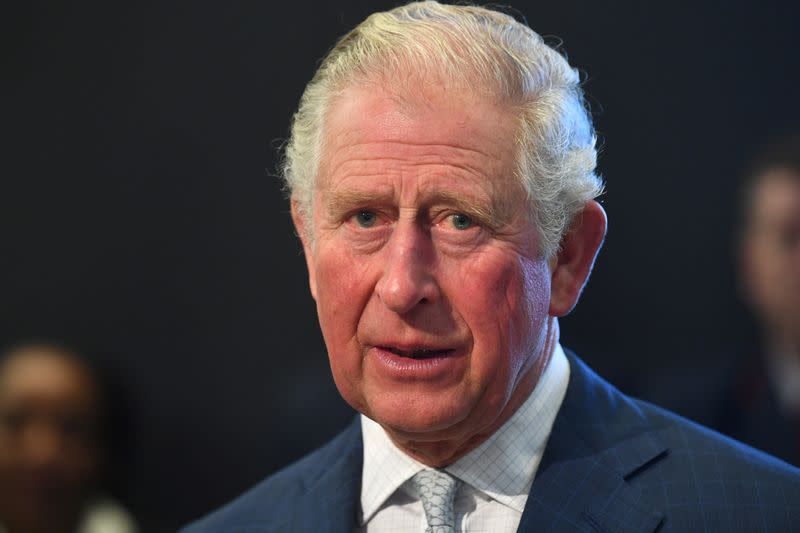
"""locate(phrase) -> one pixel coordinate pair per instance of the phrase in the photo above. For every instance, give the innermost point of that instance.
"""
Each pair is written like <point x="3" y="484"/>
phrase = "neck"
<point x="445" y="451"/>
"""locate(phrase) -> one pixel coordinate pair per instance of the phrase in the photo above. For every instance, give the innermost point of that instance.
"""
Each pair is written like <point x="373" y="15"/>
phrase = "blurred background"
<point x="142" y="225"/>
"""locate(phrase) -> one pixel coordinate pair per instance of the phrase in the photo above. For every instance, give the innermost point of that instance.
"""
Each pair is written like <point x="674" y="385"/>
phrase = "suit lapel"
<point x="330" y="503"/>
<point x="598" y="443"/>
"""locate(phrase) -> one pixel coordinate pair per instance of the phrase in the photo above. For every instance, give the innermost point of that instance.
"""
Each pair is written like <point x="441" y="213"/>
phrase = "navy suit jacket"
<point x="612" y="465"/>
<point x="750" y="411"/>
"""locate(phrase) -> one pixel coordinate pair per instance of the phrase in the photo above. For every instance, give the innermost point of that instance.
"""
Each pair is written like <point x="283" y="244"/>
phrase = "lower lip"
<point x="408" y="368"/>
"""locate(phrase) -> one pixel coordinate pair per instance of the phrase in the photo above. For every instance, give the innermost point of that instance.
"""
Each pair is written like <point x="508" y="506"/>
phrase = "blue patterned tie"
<point x="437" y="490"/>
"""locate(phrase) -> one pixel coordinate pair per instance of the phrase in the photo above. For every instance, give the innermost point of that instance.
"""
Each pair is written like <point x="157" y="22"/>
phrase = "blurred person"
<point x="441" y="167"/>
<point x="52" y="445"/>
<point x="764" y="410"/>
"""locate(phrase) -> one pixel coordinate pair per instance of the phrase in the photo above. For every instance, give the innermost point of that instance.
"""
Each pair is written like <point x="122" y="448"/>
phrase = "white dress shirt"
<point x="496" y="476"/>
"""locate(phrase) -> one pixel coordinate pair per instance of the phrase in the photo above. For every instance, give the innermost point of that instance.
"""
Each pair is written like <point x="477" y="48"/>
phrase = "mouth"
<point x="418" y="353"/>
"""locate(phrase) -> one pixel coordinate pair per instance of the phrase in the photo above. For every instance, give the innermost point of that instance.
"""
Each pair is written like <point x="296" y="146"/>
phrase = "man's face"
<point x="48" y="448"/>
<point x="772" y="251"/>
<point x="431" y="295"/>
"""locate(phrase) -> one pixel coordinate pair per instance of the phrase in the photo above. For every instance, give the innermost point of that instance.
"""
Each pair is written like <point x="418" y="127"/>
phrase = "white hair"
<point x="478" y="47"/>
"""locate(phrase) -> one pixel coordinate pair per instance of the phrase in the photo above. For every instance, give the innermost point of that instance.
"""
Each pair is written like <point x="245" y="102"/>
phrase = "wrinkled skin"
<point x="435" y="304"/>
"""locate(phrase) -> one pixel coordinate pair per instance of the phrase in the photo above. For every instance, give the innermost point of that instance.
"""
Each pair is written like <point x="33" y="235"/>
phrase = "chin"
<point x="419" y="418"/>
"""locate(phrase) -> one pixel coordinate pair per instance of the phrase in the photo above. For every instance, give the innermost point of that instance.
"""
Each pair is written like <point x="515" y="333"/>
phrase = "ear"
<point x="571" y="267"/>
<point x="300" y="221"/>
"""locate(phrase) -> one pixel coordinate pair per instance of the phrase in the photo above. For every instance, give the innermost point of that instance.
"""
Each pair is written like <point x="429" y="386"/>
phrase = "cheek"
<point x="341" y="283"/>
<point x="343" y="290"/>
<point x="505" y="303"/>
<point x="529" y="303"/>
<point x="535" y="294"/>
<point x="771" y="277"/>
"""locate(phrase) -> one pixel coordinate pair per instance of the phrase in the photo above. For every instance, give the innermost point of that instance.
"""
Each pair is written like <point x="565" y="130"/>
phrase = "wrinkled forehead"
<point x="436" y="115"/>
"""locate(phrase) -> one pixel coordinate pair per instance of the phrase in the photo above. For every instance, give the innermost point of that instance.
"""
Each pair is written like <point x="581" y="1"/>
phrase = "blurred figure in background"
<point x="52" y="445"/>
<point x="764" y="410"/>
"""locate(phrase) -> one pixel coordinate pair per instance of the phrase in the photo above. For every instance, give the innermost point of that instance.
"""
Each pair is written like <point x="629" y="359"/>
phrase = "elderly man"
<point x="441" y="169"/>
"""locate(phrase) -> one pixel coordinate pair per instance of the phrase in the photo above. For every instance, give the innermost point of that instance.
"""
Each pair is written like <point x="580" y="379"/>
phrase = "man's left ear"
<point x="571" y="267"/>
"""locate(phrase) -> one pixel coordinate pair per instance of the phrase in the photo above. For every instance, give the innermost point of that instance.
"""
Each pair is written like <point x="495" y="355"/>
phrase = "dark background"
<point x="140" y="218"/>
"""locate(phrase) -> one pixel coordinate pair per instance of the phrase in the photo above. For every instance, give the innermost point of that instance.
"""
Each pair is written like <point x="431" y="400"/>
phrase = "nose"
<point x="43" y="445"/>
<point x="407" y="279"/>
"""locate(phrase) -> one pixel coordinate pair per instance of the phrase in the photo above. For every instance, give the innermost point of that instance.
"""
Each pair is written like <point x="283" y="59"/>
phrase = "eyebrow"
<point x="349" y="200"/>
<point x="488" y="213"/>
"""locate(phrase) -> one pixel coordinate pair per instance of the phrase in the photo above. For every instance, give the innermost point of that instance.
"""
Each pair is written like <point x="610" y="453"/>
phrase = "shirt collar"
<point x="386" y="468"/>
<point x="503" y="466"/>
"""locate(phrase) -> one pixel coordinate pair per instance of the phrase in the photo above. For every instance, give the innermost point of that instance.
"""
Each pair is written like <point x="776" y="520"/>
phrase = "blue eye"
<point x="366" y="219"/>
<point x="461" y="221"/>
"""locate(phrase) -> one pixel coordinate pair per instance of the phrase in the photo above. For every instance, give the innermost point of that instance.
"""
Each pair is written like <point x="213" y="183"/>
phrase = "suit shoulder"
<point x="711" y="455"/>
<point x="707" y="481"/>
<point x="272" y="501"/>
<point x="693" y="450"/>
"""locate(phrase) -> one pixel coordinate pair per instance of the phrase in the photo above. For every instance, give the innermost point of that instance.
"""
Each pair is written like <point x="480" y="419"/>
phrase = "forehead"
<point x="777" y="194"/>
<point x="369" y="125"/>
<point x="45" y="375"/>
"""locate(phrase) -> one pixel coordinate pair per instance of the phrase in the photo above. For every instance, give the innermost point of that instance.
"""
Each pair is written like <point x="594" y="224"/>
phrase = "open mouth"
<point x="419" y="353"/>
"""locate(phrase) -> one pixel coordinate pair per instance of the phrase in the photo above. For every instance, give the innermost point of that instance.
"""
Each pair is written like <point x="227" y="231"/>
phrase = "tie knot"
<point x="437" y="490"/>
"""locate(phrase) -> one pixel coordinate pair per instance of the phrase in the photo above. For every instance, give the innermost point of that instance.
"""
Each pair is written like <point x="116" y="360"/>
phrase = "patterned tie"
<point x="436" y="490"/>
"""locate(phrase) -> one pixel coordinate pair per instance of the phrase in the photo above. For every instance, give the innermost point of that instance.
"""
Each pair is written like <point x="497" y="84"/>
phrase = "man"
<point x="51" y="445"/>
<point x="764" y="410"/>
<point x="441" y="169"/>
